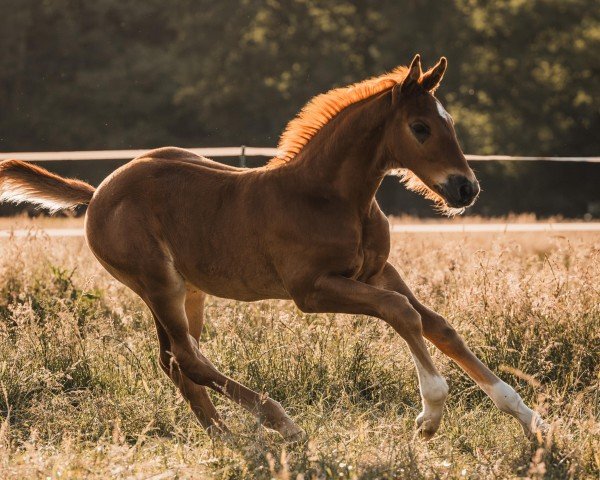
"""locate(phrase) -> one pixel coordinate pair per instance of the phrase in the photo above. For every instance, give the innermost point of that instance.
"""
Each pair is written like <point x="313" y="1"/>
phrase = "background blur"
<point x="112" y="74"/>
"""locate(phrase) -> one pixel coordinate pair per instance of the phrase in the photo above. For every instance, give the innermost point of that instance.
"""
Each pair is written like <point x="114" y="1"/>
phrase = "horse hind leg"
<point x="196" y="395"/>
<point x="166" y="297"/>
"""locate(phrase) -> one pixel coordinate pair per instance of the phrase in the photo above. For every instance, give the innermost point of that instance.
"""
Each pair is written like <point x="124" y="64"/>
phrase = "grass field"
<point x="82" y="395"/>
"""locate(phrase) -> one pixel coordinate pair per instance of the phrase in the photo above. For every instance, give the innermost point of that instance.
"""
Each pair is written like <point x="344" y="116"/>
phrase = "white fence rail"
<point x="241" y="152"/>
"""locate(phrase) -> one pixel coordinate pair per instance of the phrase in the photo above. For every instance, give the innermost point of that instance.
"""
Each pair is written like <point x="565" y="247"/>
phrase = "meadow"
<point x="82" y="395"/>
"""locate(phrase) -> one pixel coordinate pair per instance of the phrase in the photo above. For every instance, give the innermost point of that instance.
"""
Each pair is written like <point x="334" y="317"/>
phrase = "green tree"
<point x="142" y="73"/>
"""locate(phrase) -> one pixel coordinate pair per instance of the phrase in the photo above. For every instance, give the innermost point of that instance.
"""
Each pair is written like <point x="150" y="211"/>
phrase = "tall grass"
<point x="81" y="393"/>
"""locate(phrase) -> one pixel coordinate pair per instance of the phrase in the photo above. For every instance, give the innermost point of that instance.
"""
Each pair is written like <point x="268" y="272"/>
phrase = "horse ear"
<point x="410" y="81"/>
<point x="414" y="74"/>
<point x="432" y="77"/>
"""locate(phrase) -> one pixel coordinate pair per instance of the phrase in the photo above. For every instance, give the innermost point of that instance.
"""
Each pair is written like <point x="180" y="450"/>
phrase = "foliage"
<point x="117" y="74"/>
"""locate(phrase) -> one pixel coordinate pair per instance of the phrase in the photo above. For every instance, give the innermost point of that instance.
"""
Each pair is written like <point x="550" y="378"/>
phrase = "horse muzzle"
<point x="458" y="191"/>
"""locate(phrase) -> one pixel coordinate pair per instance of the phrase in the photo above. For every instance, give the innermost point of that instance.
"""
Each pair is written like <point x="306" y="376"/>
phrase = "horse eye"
<point x="420" y="131"/>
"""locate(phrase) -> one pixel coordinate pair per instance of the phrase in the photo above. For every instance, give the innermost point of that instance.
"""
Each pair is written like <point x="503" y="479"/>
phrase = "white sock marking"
<point x="509" y="401"/>
<point x="434" y="388"/>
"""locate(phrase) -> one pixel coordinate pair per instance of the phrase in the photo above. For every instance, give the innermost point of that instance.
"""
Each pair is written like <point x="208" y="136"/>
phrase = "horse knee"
<point x="403" y="317"/>
<point x="439" y="331"/>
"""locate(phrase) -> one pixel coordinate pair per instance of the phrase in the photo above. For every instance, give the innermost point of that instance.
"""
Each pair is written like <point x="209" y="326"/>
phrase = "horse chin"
<point x="412" y="182"/>
<point x="448" y="210"/>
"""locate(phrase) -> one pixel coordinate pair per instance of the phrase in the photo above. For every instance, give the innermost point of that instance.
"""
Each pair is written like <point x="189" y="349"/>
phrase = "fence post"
<point x="243" y="157"/>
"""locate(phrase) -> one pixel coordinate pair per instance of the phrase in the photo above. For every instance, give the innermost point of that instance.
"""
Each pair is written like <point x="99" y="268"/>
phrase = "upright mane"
<point x="322" y="108"/>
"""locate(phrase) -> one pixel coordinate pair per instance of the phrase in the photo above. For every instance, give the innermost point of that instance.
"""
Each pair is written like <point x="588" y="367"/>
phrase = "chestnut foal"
<point x="174" y="227"/>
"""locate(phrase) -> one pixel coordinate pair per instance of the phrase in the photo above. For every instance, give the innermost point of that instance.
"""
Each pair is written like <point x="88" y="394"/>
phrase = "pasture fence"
<point x="241" y="152"/>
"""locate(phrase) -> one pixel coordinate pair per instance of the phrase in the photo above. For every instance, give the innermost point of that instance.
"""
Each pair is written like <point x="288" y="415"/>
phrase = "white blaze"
<point x="442" y="111"/>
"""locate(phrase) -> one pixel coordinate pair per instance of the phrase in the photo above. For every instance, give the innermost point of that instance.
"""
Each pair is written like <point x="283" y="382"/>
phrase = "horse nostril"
<point x="458" y="190"/>
<point x="465" y="191"/>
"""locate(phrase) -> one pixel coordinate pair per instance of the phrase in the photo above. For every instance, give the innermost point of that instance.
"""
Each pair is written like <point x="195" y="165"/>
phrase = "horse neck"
<point x="346" y="154"/>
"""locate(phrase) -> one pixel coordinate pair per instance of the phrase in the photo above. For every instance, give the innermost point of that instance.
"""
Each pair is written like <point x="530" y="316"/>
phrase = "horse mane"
<point x="322" y="108"/>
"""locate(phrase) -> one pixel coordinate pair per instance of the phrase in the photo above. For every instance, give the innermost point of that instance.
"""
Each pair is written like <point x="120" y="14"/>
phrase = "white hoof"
<point x="536" y="426"/>
<point x="291" y="432"/>
<point x="428" y="424"/>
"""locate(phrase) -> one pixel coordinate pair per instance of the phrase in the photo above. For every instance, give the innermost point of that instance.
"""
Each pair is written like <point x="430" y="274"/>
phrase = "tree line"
<point x="522" y="79"/>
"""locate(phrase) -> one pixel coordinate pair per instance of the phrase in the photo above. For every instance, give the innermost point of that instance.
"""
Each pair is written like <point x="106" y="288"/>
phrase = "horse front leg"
<point x="343" y="295"/>
<point x="439" y="332"/>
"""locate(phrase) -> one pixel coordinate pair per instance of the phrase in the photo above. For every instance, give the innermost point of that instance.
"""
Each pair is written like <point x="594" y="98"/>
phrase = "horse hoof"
<point x="297" y="438"/>
<point x="220" y="432"/>
<point x="425" y="428"/>
<point x="290" y="432"/>
<point x="536" y="428"/>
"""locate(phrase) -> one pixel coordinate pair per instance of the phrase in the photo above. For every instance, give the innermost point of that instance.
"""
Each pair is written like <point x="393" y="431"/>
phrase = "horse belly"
<point x="228" y="274"/>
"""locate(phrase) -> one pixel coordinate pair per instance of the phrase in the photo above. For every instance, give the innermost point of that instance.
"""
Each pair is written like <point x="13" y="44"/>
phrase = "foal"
<point x="175" y="227"/>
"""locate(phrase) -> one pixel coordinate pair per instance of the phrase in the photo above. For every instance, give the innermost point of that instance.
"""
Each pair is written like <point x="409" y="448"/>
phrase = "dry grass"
<point x="23" y="221"/>
<point x="81" y="394"/>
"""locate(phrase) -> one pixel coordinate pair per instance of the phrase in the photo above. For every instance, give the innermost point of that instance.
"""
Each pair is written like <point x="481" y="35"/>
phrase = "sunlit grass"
<point x="82" y="394"/>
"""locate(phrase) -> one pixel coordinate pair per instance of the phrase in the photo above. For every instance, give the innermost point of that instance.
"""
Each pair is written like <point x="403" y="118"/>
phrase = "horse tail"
<point x="25" y="182"/>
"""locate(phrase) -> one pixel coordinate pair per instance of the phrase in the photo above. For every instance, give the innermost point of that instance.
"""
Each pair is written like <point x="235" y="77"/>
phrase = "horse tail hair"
<point x="25" y="182"/>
